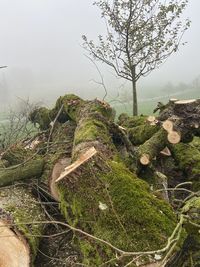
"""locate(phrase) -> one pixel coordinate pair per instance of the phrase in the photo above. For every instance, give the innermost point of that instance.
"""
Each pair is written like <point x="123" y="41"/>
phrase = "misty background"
<point x="40" y="42"/>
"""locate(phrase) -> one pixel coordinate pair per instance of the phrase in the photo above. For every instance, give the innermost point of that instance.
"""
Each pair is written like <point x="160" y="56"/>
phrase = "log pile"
<point x="89" y="191"/>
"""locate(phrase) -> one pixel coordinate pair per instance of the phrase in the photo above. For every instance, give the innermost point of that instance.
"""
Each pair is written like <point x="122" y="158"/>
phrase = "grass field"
<point x="146" y="106"/>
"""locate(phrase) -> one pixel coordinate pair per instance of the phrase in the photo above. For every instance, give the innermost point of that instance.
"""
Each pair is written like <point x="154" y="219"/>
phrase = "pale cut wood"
<point x="145" y="160"/>
<point x="166" y="152"/>
<point x="174" y="137"/>
<point x="151" y="118"/>
<point x="168" y="125"/>
<point x="81" y="160"/>
<point x="172" y="100"/>
<point x="14" y="251"/>
<point x="122" y="128"/>
<point x="183" y="102"/>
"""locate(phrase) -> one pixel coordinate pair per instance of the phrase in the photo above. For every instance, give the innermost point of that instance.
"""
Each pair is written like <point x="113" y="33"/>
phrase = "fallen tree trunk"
<point x="82" y="168"/>
<point x="152" y="147"/>
<point x="30" y="169"/>
<point x="97" y="193"/>
<point x="138" y="135"/>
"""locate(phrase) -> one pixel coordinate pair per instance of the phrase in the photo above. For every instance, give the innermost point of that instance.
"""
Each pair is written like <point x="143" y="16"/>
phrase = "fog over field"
<point x="41" y="45"/>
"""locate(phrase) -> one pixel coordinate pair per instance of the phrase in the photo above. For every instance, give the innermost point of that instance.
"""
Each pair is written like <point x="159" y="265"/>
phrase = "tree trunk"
<point x="97" y="193"/>
<point x="134" y="90"/>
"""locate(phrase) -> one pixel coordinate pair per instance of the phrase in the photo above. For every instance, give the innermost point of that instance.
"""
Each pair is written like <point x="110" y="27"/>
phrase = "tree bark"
<point x="97" y="190"/>
<point x="134" y="90"/>
<point x="30" y="169"/>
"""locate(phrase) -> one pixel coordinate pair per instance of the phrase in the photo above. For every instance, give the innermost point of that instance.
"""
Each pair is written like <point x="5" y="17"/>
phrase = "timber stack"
<point x="88" y="190"/>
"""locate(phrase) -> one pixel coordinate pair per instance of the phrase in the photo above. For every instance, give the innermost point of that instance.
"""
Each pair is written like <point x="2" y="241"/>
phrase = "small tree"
<point x="141" y="35"/>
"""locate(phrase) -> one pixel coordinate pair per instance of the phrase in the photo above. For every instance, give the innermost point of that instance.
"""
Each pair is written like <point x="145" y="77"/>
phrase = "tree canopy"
<point x="141" y="35"/>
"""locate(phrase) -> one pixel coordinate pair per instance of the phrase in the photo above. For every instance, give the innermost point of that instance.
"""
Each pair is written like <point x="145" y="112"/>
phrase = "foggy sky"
<point x="40" y="42"/>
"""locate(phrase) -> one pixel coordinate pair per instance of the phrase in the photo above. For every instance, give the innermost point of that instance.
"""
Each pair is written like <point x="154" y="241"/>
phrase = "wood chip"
<point x="151" y="118"/>
<point x="166" y="152"/>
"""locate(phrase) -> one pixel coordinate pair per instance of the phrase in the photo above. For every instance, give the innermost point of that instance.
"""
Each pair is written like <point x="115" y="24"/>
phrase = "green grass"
<point x="147" y="107"/>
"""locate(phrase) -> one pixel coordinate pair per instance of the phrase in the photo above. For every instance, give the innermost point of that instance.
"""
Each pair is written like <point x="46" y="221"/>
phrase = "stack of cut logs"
<point x="87" y="191"/>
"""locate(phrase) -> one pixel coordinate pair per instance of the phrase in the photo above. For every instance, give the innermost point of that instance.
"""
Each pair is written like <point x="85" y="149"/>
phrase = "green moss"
<point x="134" y="219"/>
<point x="33" y="168"/>
<point x="102" y="108"/>
<point x="71" y="107"/>
<point x="16" y="155"/>
<point x="196" y="142"/>
<point x="131" y="122"/>
<point x="42" y="117"/>
<point x="90" y="130"/>
<point x="188" y="158"/>
<point x="139" y="134"/>
<point x="192" y="209"/>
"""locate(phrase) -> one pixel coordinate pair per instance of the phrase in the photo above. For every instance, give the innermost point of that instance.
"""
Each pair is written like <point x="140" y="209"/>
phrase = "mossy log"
<point x="19" y="236"/>
<point x="32" y="168"/>
<point x="82" y="168"/>
<point x="102" y="197"/>
<point x="131" y="122"/>
<point x="185" y="117"/>
<point x="152" y="147"/>
<point x="139" y="134"/>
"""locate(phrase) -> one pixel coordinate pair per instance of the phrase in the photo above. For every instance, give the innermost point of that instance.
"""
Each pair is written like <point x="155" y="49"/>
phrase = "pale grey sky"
<point x="40" y="42"/>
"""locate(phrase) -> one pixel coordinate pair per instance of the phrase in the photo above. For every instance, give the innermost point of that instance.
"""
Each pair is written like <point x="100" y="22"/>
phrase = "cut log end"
<point x="174" y="137"/>
<point x="14" y="250"/>
<point x="184" y="102"/>
<point x="151" y="118"/>
<point x="168" y="125"/>
<point x="172" y="100"/>
<point x="145" y="159"/>
<point x="80" y="161"/>
<point x="59" y="167"/>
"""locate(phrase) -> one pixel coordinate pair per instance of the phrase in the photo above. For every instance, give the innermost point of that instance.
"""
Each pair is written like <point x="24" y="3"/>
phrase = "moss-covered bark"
<point x="131" y="122"/>
<point x="188" y="159"/>
<point x="138" y="135"/>
<point x="103" y="198"/>
<point x="112" y="201"/>
<point x="31" y="169"/>
<point x="153" y="146"/>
